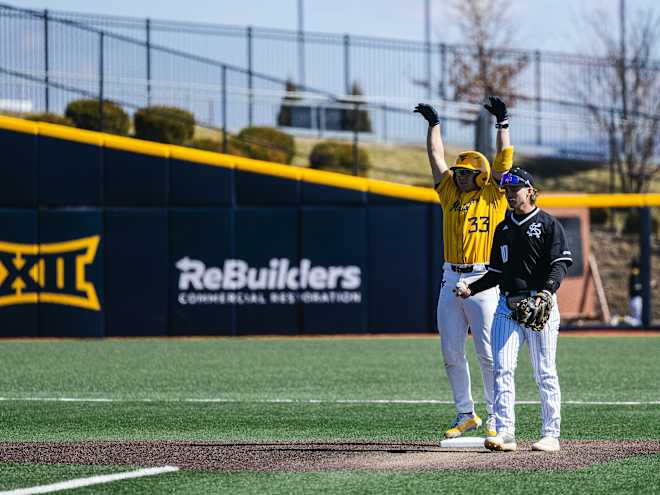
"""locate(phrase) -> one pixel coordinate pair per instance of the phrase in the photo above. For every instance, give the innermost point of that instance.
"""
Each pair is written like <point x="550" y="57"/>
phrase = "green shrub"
<point x="51" y="118"/>
<point x="337" y="157"/>
<point x="85" y="115"/>
<point x="267" y="143"/>
<point x="206" y="144"/>
<point x="164" y="124"/>
<point x="238" y="148"/>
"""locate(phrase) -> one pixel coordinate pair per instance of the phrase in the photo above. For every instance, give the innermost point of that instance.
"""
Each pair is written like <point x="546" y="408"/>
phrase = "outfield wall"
<point x="108" y="236"/>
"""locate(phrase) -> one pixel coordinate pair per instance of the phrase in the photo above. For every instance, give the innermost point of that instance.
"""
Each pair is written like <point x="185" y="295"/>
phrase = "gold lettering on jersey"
<point x="457" y="206"/>
<point x="48" y="273"/>
<point x="469" y="221"/>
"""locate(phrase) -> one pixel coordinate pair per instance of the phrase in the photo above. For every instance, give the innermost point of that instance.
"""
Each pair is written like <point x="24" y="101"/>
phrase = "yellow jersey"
<point x="469" y="220"/>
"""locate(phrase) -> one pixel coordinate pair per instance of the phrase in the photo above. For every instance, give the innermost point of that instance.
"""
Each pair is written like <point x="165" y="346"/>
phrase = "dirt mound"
<point x="302" y="456"/>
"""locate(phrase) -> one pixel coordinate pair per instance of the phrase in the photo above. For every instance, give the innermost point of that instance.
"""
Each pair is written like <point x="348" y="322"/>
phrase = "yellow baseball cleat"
<point x="463" y="422"/>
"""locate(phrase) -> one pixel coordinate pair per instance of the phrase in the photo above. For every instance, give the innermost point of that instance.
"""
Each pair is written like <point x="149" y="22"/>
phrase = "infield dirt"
<point x="305" y="456"/>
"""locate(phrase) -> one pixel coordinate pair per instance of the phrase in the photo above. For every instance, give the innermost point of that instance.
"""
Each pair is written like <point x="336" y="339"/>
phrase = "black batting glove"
<point x="497" y="108"/>
<point x="429" y="113"/>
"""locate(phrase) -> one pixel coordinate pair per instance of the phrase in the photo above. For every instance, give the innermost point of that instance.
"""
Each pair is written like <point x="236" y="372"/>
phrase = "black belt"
<point x="462" y="268"/>
<point x="521" y="293"/>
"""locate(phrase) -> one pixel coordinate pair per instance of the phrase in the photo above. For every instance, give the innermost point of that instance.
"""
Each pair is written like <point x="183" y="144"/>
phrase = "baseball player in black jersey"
<point x="529" y="259"/>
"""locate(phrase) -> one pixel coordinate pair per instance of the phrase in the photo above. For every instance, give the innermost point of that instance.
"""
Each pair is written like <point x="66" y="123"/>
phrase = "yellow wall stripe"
<point x="136" y="146"/>
<point x="599" y="200"/>
<point x="274" y="169"/>
<point x="335" y="180"/>
<point x="406" y="192"/>
<point x="70" y="134"/>
<point x="413" y="193"/>
<point x="201" y="157"/>
<point x="19" y="125"/>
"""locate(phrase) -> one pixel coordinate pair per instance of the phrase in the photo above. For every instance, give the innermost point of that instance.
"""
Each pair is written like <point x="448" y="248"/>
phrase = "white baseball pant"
<point x="507" y="337"/>
<point x="635" y="305"/>
<point x="454" y="316"/>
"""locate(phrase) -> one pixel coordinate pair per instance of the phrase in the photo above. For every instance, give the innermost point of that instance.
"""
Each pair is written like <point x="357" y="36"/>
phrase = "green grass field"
<point x="257" y="390"/>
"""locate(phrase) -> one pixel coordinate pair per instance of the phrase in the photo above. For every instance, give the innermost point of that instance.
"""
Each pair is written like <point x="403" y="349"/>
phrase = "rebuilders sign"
<point x="280" y="282"/>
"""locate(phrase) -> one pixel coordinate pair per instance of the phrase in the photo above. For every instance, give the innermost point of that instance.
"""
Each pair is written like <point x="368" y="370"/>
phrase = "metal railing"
<point x="231" y="77"/>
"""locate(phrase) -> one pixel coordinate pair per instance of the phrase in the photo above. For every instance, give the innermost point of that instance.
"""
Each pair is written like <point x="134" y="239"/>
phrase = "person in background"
<point x="634" y="316"/>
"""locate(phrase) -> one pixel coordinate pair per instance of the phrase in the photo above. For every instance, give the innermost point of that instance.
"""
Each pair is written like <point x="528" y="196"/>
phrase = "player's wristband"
<point x="502" y="125"/>
<point x="503" y="160"/>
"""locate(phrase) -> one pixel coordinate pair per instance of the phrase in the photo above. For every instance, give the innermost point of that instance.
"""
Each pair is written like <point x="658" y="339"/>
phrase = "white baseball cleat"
<point x="502" y="442"/>
<point x="547" y="444"/>
<point x="489" y="426"/>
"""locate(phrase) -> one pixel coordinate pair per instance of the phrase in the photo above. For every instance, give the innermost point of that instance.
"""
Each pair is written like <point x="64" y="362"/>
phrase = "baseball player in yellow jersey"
<point x="472" y="206"/>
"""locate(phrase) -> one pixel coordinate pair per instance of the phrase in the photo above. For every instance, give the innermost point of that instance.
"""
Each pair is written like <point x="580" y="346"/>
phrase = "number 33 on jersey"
<point x="469" y="220"/>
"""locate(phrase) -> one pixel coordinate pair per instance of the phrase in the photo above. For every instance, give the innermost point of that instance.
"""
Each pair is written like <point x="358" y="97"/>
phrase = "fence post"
<point x="356" y="114"/>
<point x="429" y="74"/>
<point x="645" y="263"/>
<point x="101" y="81"/>
<point x="483" y="137"/>
<point x="537" y="72"/>
<point x="347" y="64"/>
<point x="224" y="108"/>
<point x="443" y="83"/>
<point x="148" y="47"/>
<point x="301" y="55"/>
<point x="250" y="68"/>
<point x="443" y="71"/>
<point x="46" y="65"/>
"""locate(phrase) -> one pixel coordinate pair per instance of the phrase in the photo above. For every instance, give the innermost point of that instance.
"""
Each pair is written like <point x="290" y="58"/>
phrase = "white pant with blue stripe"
<point x="506" y="338"/>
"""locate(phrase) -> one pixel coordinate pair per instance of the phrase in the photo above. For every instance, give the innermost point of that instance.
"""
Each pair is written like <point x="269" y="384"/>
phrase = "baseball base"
<point x="463" y="443"/>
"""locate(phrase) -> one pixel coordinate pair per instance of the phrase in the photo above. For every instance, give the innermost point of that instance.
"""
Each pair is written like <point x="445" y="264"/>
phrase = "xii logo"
<point x="48" y="273"/>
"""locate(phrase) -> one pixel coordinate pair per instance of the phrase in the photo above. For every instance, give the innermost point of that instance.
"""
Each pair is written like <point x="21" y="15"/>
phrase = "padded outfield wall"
<point x="109" y="236"/>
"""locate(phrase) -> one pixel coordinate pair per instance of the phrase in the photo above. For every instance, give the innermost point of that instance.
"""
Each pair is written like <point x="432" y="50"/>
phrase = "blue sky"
<point x="538" y="24"/>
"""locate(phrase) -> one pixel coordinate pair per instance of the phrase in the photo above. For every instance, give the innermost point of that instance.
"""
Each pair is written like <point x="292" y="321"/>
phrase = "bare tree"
<point x="482" y="66"/>
<point x="623" y="93"/>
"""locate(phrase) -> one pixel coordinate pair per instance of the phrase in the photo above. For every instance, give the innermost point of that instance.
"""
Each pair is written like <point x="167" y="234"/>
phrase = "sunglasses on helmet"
<point x="464" y="171"/>
<point x="508" y="179"/>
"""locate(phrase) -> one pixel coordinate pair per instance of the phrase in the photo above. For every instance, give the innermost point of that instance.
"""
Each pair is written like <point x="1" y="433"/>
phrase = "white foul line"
<point x="222" y="400"/>
<point x="94" y="480"/>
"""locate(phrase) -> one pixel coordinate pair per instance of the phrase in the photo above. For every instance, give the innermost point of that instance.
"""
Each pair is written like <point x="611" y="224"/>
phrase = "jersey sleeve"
<point x="499" y="252"/>
<point x="445" y="188"/>
<point x="559" y="249"/>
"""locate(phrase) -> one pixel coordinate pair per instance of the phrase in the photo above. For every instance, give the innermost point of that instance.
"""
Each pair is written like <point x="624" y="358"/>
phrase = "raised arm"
<point x="504" y="157"/>
<point x="503" y="139"/>
<point x="434" y="146"/>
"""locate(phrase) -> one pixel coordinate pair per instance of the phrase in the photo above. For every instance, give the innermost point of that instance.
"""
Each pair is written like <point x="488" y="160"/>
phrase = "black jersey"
<point x="524" y="250"/>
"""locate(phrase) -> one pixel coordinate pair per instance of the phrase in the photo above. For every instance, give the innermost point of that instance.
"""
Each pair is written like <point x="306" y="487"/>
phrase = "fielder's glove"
<point x="498" y="109"/>
<point x="534" y="315"/>
<point x="428" y="112"/>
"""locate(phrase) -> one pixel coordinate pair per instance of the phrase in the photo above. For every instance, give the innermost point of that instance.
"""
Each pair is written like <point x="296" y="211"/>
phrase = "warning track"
<point x="315" y="456"/>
